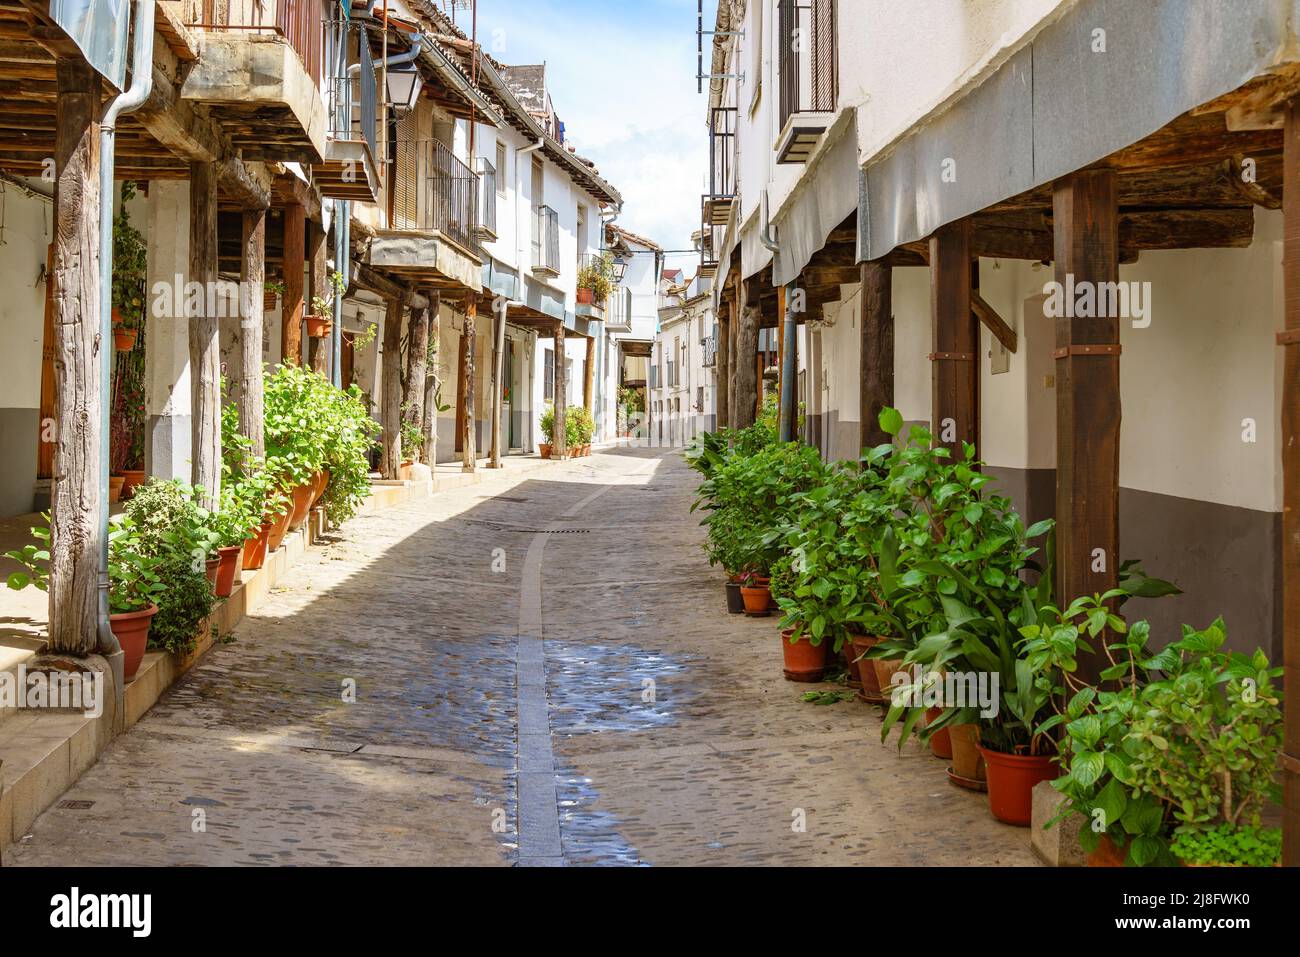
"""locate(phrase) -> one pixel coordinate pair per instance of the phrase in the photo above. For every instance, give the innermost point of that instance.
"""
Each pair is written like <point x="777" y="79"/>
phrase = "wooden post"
<point x="953" y="408"/>
<point x="1085" y="223"/>
<point x="788" y="304"/>
<point x="498" y="373"/>
<point x="589" y="377"/>
<point x="876" y="355"/>
<point x="295" y="245"/>
<point x="318" y="272"/>
<point x="431" y="381"/>
<point x="78" y="377"/>
<point x="469" y="452"/>
<point x="417" y="365"/>
<point x="746" y="392"/>
<point x="391" y="383"/>
<point x="559" y="440"/>
<point x="722" y="368"/>
<point x="46" y="438"/>
<point x="252" y="274"/>
<point x="1290" y="440"/>
<point x="205" y="336"/>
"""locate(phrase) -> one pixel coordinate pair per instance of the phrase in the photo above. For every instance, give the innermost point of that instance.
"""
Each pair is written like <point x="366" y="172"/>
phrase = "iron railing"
<point x="807" y="63"/>
<point x="300" y="22"/>
<point x="432" y="189"/>
<point x="546" y="239"/>
<point x="708" y="344"/>
<point x="722" y="152"/>
<point x="353" y="94"/>
<point x="619" y="317"/>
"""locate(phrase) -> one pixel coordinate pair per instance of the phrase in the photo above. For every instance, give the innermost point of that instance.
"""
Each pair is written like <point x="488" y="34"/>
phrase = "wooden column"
<point x="559" y="440"/>
<point x="1085" y="222"/>
<point x="876" y="351"/>
<point x="1290" y="440"/>
<point x="955" y="361"/>
<point x="391" y="386"/>
<point x="733" y="365"/>
<point x="47" y="440"/>
<point x="205" y="336"/>
<point x="469" y="452"/>
<point x="722" y="368"/>
<point x="744" y="397"/>
<point x="78" y="375"/>
<point x="318" y="275"/>
<point x="589" y="377"/>
<point x="295" y="246"/>
<point x="252" y="274"/>
<point x="417" y="366"/>
<point x="431" y="381"/>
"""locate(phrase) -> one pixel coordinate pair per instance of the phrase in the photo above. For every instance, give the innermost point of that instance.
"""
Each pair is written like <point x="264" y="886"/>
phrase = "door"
<point x="508" y="395"/>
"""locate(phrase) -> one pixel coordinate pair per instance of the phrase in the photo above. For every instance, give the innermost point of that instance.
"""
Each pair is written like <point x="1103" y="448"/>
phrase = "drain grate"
<point x="502" y="527"/>
<point x="76" y="805"/>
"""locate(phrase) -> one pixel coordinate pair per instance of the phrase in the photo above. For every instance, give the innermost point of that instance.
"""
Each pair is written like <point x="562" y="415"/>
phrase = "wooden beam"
<point x="417" y="368"/>
<point x="993" y="322"/>
<point x="319" y="284"/>
<point x="746" y="385"/>
<point x="1290" y="442"/>
<point x="205" y="338"/>
<point x="1087" y="397"/>
<point x="469" y="440"/>
<point x="559" y="440"/>
<point x="252" y="273"/>
<point x="291" y="313"/>
<point x="391" y="388"/>
<point x="876" y="351"/>
<point x="76" y="493"/>
<point x="432" y="379"/>
<point x="589" y="377"/>
<point x="954" y="408"/>
<point x="721" y="369"/>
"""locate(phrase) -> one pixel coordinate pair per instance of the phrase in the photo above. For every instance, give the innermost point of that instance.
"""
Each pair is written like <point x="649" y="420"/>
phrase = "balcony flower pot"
<point x="586" y="297"/>
<point x="133" y="479"/>
<point x="967" y="770"/>
<point x="1011" y="779"/>
<point x="941" y="740"/>
<point x="861" y="644"/>
<point x="131" y="629"/>
<point x="319" y="327"/>
<point x="735" y="600"/>
<point x="279" y="529"/>
<point x="255" y="548"/>
<point x="757" y="596"/>
<point x="124" y="339"/>
<point x="115" y="483"/>
<point x="803" y="660"/>
<point x="227" y="569"/>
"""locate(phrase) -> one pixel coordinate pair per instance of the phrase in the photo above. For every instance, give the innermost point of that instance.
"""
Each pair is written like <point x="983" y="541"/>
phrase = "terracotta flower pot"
<point x="404" y="471"/>
<point x="866" y="667"/>
<point x="1011" y="783"/>
<point x="302" y="499"/>
<point x="1107" y="854"/>
<point x="967" y="762"/>
<point x="124" y="339"/>
<point x="940" y="741"/>
<point x="279" y="529"/>
<point x="319" y="327"/>
<point x="255" y="548"/>
<point x="131" y="629"/>
<point x="735" y="600"/>
<point x="133" y="479"/>
<point x="586" y="297"/>
<point x="758" y="600"/>
<point x="320" y="482"/>
<point x="545" y="449"/>
<point x="115" y="483"/>
<point x="885" y="671"/>
<point x="211" y="568"/>
<point x="228" y="567"/>
<point x="804" y="661"/>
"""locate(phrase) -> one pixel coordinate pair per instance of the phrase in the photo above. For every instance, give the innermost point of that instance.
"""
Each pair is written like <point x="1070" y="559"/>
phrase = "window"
<point x="501" y="168"/>
<point x="548" y="376"/>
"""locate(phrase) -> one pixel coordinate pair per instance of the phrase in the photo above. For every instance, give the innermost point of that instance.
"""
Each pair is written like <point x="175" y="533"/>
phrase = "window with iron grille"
<point x="548" y="376"/>
<point x="807" y="61"/>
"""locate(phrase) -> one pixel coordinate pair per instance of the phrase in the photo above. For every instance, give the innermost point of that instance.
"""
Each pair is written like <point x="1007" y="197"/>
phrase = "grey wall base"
<point x="21" y="429"/>
<point x="167" y="446"/>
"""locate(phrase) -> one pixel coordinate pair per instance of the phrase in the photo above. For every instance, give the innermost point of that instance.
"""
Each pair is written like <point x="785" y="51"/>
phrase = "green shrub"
<point x="186" y="599"/>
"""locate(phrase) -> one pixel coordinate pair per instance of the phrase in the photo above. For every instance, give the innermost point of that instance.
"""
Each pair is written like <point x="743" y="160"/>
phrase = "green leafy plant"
<point x="185" y="599"/>
<point x="1226" y="845"/>
<point x="547" y="424"/>
<point x="578" y="426"/>
<point x="597" y="275"/>
<point x="130" y="265"/>
<point x="324" y="305"/>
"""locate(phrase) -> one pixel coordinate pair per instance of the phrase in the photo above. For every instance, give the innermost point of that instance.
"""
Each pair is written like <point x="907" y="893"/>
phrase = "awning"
<point x="827" y="194"/>
<point x="1061" y="104"/>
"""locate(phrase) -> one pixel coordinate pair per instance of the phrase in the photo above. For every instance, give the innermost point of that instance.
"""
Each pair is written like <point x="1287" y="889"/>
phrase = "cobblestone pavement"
<point x="544" y="673"/>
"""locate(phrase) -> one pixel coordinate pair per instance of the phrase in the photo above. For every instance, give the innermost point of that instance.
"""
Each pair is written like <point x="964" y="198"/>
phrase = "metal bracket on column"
<point x="1289" y="337"/>
<point x="1092" y="349"/>
<point x="954" y="356"/>
<point x="1291" y="763"/>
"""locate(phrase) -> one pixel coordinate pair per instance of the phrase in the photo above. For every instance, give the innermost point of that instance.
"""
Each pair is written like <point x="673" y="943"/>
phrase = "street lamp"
<point x="404" y="85"/>
<point x="619" y="269"/>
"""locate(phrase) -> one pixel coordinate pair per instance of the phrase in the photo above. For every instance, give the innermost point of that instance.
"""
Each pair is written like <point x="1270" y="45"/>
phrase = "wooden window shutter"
<point x="824" y="56"/>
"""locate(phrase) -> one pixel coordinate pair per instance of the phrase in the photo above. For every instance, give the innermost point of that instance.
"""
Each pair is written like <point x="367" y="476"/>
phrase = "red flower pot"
<point x="1011" y="779"/>
<point x="279" y="529"/>
<point x="255" y="548"/>
<point x="545" y="449"/>
<point x="804" y="661"/>
<point x="320" y="483"/>
<point x="229" y="565"/>
<point x="861" y="644"/>
<point x="124" y="339"/>
<point x="758" y="599"/>
<point x="211" y="567"/>
<point x="319" y="327"/>
<point x="132" y="479"/>
<point x="586" y="297"/>
<point x="131" y="629"/>
<point x="302" y="499"/>
<point x="940" y="741"/>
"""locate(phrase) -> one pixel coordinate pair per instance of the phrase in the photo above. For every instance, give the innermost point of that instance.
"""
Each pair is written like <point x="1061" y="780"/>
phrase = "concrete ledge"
<point x="1058" y="845"/>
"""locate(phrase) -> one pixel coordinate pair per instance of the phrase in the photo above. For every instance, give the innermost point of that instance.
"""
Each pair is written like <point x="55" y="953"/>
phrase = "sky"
<point x="621" y="74"/>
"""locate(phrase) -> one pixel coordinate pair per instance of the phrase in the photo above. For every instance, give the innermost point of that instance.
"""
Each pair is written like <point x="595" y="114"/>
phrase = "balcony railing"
<point x="546" y="240"/>
<point x="710" y="348"/>
<point x="353" y="97"/>
<point x="432" y="189"/>
<point x="807" y="63"/>
<point x="722" y="152"/>
<point x="300" y="22"/>
<point x="619" y="317"/>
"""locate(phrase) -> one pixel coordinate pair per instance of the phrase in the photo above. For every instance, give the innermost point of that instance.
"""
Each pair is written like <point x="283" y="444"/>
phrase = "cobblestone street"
<point x="544" y="673"/>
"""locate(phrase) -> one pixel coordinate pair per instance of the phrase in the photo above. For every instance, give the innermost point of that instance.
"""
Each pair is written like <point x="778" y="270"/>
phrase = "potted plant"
<point x="803" y="651"/>
<point x="272" y="289"/>
<point x="320" y="323"/>
<point x="596" y="280"/>
<point x="548" y="430"/>
<point x="130" y="267"/>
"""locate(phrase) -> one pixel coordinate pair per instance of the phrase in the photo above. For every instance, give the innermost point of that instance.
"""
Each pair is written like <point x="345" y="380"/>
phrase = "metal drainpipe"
<point x="342" y="263"/>
<point x="132" y="99"/>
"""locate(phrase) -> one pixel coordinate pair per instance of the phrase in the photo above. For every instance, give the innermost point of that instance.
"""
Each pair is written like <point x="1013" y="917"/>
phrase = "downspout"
<point x="342" y="263"/>
<point x="602" y="357"/>
<point x="132" y="99"/>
